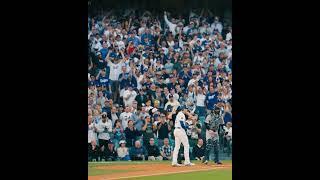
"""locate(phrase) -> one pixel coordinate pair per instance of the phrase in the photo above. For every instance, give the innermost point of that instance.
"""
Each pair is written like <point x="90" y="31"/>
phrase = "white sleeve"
<point x="125" y="94"/>
<point x="168" y="22"/>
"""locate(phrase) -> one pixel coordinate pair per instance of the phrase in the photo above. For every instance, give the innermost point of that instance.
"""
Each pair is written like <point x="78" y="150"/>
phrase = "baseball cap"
<point x="122" y="142"/>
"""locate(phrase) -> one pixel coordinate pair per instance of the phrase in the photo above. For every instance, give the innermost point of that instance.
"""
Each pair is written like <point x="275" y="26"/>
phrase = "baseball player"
<point x="181" y="137"/>
<point x="212" y="124"/>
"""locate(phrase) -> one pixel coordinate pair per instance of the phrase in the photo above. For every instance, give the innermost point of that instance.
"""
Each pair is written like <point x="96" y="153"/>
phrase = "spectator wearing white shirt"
<point x="123" y="151"/>
<point x="229" y="34"/>
<point x="172" y="25"/>
<point x="142" y="29"/>
<point x="104" y="127"/>
<point x="194" y="79"/>
<point x="92" y="141"/>
<point x="198" y="58"/>
<point x="216" y="25"/>
<point x="205" y="28"/>
<point x="200" y="101"/>
<point x="172" y="102"/>
<point x="115" y="70"/>
<point x="120" y="43"/>
<point x="91" y="131"/>
<point x="101" y="99"/>
<point x="174" y="94"/>
<point x="129" y="96"/>
<point x="125" y="116"/>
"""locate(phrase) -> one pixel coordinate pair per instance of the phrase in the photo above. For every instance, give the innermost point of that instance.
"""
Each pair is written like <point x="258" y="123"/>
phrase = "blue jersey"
<point x="104" y="81"/>
<point x="185" y="77"/>
<point x="104" y="53"/>
<point x="135" y="41"/>
<point x="211" y="100"/>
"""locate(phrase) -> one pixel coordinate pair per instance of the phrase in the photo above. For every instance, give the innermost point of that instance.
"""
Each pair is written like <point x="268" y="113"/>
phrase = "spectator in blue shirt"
<point x="138" y="152"/>
<point x="211" y="98"/>
<point x="132" y="37"/>
<point x="104" y="51"/>
<point x="103" y="79"/>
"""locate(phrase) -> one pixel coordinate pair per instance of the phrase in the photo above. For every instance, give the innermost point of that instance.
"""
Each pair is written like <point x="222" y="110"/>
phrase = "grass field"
<point x="106" y="169"/>
<point x="223" y="174"/>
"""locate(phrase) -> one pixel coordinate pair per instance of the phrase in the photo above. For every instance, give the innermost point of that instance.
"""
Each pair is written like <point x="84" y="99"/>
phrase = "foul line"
<point x="164" y="173"/>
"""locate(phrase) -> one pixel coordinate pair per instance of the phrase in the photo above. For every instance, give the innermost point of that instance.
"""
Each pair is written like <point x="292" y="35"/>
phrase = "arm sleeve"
<point x="167" y="21"/>
<point x="183" y="125"/>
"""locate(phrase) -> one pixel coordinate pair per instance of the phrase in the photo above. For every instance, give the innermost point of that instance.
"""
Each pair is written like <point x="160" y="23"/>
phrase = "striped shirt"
<point x="166" y="150"/>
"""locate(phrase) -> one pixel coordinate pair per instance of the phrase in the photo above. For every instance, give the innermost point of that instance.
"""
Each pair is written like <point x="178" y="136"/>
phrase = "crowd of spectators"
<point x="141" y="66"/>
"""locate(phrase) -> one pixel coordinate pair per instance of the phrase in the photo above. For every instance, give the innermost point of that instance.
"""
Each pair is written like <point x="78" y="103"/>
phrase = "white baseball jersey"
<point x="180" y="117"/>
<point x="180" y="137"/>
<point x="104" y="128"/>
<point x="124" y="117"/>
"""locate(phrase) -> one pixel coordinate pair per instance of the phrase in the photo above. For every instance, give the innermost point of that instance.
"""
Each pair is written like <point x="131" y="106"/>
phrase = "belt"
<point x="178" y="127"/>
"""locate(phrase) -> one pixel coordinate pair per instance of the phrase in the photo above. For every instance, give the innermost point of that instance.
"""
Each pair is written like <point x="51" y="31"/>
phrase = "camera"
<point x="104" y="116"/>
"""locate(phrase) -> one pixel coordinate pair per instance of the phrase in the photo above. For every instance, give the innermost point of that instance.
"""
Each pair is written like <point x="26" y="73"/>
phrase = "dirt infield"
<point x="141" y="170"/>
